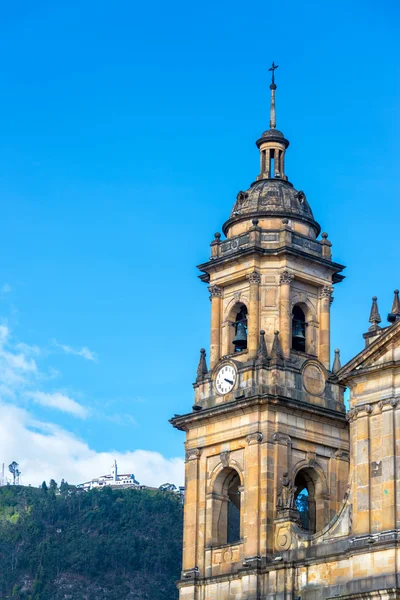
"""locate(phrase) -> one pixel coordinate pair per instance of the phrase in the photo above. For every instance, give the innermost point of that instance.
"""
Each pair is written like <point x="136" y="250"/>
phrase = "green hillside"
<point x="104" y="544"/>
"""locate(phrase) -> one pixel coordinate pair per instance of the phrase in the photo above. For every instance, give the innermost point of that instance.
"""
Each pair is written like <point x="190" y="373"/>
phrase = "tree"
<point x="44" y="486"/>
<point x="53" y="485"/>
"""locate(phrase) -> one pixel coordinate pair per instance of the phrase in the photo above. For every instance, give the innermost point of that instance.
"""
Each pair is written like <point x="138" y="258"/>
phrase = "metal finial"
<point x="274" y="66"/>
<point x="272" y="113"/>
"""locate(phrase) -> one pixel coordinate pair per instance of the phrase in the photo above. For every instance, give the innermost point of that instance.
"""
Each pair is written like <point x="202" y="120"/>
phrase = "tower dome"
<point x="272" y="197"/>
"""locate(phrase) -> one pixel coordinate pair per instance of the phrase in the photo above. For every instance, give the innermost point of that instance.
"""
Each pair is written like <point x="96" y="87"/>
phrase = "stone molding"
<point x="286" y="277"/>
<point x="215" y="291"/>
<point x="193" y="454"/>
<point x="254" y="438"/>
<point x="254" y="278"/>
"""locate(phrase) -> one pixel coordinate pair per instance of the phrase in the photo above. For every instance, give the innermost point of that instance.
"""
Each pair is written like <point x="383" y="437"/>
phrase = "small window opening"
<point x="271" y="164"/>
<point x="305" y="499"/>
<point x="233" y="533"/>
<point x="240" y="327"/>
<point x="298" y="329"/>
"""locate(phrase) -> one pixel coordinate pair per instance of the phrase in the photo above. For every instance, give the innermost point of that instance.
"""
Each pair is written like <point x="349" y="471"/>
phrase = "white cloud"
<point x="60" y="402"/>
<point x="20" y="377"/>
<point x="84" y="352"/>
<point x="5" y="288"/>
<point x="45" y="451"/>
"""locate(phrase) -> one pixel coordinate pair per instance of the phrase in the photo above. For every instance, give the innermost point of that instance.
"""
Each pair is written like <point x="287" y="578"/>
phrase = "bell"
<point x="240" y="339"/>
<point x="298" y="332"/>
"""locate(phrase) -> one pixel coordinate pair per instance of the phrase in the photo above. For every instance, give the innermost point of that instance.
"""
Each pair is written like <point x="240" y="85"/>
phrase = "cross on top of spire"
<point x="274" y="66"/>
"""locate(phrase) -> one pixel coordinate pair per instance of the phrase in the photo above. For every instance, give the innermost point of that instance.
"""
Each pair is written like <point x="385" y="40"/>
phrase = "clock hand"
<point x="228" y="380"/>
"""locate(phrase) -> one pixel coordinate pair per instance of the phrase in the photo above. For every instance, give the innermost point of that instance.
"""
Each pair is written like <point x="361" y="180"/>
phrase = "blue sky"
<point x="127" y="130"/>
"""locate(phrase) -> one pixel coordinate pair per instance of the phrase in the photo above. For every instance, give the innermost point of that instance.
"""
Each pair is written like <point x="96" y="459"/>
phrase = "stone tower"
<point x="267" y="433"/>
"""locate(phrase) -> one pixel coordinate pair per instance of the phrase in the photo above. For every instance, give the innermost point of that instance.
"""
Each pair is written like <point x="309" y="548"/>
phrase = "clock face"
<point x="225" y="379"/>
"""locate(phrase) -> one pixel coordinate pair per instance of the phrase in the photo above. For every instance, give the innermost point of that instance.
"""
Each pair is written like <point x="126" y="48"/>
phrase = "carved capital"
<point x="215" y="291"/>
<point x="254" y="278"/>
<point x="281" y="438"/>
<point x="286" y="277"/>
<point x="352" y="415"/>
<point x="342" y="455"/>
<point x="326" y="292"/>
<point x="254" y="438"/>
<point x="193" y="454"/>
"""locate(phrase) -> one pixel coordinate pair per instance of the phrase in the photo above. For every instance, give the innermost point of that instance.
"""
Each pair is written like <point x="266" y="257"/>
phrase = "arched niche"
<point x="311" y="495"/>
<point x="236" y="323"/>
<point x="303" y="321"/>
<point x="226" y="507"/>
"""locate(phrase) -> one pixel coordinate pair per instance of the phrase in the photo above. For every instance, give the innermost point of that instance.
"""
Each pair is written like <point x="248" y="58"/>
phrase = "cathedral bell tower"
<point x="267" y="440"/>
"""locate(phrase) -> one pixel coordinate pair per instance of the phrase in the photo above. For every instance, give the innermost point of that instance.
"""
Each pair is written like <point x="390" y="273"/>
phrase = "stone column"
<point x="215" y="341"/>
<point x="285" y="313"/>
<point x="251" y="505"/>
<point x="190" y="535"/>
<point x="325" y="301"/>
<point x="254" y="313"/>
<point x="276" y="162"/>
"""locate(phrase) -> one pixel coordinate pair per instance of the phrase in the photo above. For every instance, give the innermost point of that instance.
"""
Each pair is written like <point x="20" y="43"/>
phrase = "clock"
<point x="225" y="379"/>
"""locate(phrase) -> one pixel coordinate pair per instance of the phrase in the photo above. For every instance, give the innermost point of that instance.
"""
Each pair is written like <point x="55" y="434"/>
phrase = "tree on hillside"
<point x="53" y="485"/>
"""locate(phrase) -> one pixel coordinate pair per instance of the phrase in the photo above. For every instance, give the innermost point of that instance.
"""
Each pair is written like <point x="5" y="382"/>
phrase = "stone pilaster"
<point x="285" y="316"/>
<point x="252" y="497"/>
<point x="191" y="511"/>
<point x="254" y="313"/>
<point x="215" y="341"/>
<point x="325" y="324"/>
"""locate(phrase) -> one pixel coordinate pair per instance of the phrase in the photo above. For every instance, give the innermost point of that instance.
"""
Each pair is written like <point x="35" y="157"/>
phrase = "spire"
<point x="374" y="317"/>
<point x="276" y="351"/>
<point x="272" y="87"/>
<point x="337" y="365"/>
<point x="262" y="353"/>
<point x="272" y="144"/>
<point x="395" y="314"/>
<point x="202" y="367"/>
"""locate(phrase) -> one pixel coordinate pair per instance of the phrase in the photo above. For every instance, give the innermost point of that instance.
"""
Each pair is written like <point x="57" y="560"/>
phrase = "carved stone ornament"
<point x="224" y="456"/>
<point x="215" y="291"/>
<point x="237" y="296"/>
<point x="193" y="454"/>
<point x="352" y="414"/>
<point x="286" y="495"/>
<point x="301" y="197"/>
<point x="242" y="196"/>
<point x="311" y="458"/>
<point x="286" y="277"/>
<point x="326" y="291"/>
<point x="254" y="278"/>
<point x="393" y="402"/>
<point x="254" y="438"/>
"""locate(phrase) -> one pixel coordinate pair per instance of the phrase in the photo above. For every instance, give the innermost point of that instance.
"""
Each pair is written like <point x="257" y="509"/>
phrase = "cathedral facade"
<point x="288" y="496"/>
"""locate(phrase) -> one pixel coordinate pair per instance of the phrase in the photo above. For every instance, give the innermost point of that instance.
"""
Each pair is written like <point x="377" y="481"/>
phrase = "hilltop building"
<point x="115" y="480"/>
<point x="286" y="495"/>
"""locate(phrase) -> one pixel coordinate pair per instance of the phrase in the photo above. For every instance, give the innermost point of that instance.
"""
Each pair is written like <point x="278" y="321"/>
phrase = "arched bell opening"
<point x="298" y="329"/>
<point x="310" y="501"/>
<point x="238" y="329"/>
<point x="226" y="514"/>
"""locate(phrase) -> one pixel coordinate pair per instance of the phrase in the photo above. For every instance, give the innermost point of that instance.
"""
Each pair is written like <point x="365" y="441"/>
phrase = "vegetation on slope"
<point x="103" y="544"/>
